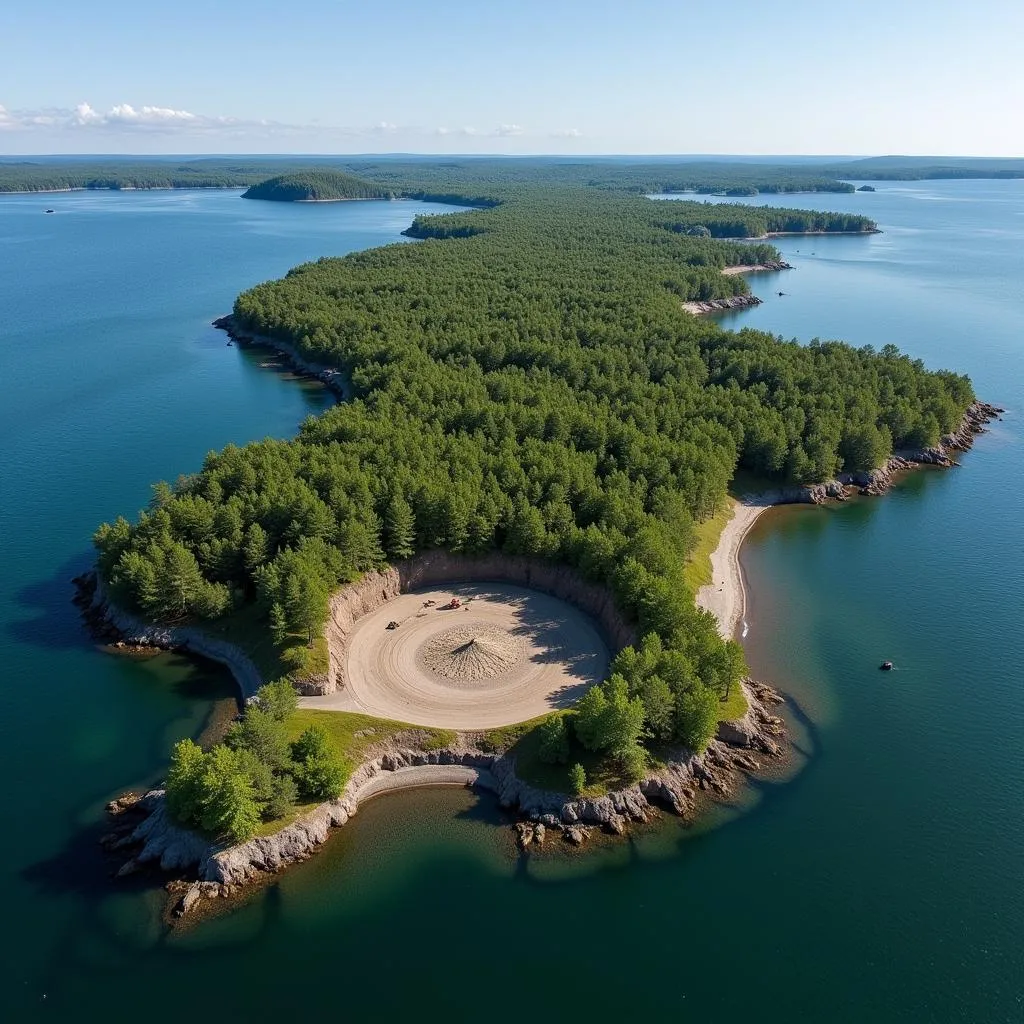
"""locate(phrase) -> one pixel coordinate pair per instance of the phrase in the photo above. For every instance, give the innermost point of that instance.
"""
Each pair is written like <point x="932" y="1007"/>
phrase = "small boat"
<point x="49" y="211"/>
<point x="886" y="666"/>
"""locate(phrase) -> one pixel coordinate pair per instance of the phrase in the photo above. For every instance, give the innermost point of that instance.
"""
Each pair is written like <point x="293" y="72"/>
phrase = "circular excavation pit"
<point x="496" y="655"/>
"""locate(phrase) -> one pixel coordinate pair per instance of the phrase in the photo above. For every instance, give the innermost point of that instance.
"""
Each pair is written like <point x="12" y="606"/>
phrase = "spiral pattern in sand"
<point x="472" y="650"/>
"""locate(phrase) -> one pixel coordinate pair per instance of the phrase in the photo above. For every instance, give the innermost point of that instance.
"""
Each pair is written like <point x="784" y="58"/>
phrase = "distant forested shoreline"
<point x="411" y="175"/>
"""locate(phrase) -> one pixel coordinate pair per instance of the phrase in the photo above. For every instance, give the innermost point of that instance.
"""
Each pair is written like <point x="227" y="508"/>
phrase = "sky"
<point x="935" y="77"/>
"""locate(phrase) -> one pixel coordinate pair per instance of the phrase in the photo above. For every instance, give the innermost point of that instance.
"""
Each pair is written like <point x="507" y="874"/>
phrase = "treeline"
<point x="742" y="221"/>
<point x="535" y="388"/>
<point x="634" y="175"/>
<point x="486" y="177"/>
<point x="480" y="179"/>
<point x="256" y="775"/>
<point x="105" y="174"/>
<point x="924" y="168"/>
<point x="304" y="186"/>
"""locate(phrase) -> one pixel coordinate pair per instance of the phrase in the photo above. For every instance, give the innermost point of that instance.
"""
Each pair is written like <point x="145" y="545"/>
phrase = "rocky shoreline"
<point x="143" y="828"/>
<point x="333" y="379"/>
<point x="878" y="481"/>
<point x="717" y="305"/>
<point x="124" y="632"/>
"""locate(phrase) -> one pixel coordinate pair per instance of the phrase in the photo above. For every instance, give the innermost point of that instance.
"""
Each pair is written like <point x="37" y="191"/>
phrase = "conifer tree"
<point x="399" y="529"/>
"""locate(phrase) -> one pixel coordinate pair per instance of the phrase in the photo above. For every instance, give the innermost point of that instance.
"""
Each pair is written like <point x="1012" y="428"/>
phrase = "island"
<point x="485" y="560"/>
<point x="866" y="188"/>
<point x="316" y="187"/>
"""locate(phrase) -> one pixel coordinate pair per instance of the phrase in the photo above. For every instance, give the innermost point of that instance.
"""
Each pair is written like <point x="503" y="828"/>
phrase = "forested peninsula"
<point x="525" y="380"/>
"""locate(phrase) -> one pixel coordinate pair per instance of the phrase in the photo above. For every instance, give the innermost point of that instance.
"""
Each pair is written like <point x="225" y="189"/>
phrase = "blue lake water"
<point x="885" y="882"/>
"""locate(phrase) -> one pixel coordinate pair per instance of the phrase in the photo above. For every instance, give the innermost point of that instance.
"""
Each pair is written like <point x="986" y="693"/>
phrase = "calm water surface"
<point x="886" y="882"/>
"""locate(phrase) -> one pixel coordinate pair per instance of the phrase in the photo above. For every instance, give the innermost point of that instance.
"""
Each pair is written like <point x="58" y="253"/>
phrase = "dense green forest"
<point x="479" y="177"/>
<point x="320" y="186"/>
<point x="531" y="384"/>
<point x="26" y="176"/>
<point x="925" y="168"/>
<point x="740" y="221"/>
<point x="420" y="178"/>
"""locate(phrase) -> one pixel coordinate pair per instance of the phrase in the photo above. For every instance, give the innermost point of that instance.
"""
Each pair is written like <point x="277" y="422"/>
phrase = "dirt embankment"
<point x="375" y="589"/>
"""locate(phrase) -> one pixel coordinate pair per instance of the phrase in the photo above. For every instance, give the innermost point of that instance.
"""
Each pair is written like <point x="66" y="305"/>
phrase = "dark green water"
<point x="886" y="882"/>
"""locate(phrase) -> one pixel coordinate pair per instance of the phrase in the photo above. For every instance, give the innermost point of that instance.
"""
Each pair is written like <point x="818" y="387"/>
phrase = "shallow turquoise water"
<point x="884" y="883"/>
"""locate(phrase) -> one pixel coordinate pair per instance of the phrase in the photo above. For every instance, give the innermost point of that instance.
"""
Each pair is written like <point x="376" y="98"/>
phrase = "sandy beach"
<point x="725" y="597"/>
<point x="744" y="268"/>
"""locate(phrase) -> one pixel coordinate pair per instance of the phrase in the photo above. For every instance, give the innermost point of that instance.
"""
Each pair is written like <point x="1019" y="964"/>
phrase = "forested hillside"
<point x="533" y="385"/>
<point x="316" y="186"/>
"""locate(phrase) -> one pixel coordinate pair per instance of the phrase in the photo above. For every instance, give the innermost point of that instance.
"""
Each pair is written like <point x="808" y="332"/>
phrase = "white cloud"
<point x="122" y="120"/>
<point x="567" y="133"/>
<point x="125" y="113"/>
<point x="84" y="114"/>
<point x="126" y="117"/>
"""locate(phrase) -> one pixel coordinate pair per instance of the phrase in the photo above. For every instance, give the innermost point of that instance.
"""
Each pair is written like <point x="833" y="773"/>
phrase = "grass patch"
<point x="735" y="707"/>
<point x="247" y="628"/>
<point x="697" y="572"/>
<point x="438" y="739"/>
<point x="353" y="735"/>
<point x="522" y="742"/>
<point x="495" y="741"/>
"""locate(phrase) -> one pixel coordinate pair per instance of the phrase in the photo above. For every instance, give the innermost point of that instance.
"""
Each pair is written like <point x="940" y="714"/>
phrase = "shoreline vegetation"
<point x="725" y="596"/>
<point x="524" y="385"/>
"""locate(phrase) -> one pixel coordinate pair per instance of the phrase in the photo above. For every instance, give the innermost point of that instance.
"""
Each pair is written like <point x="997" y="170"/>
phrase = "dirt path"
<point x="553" y="653"/>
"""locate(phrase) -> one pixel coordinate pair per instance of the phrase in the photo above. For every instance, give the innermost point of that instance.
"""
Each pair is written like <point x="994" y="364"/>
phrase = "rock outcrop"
<point x="878" y="481"/>
<point x="717" y="305"/>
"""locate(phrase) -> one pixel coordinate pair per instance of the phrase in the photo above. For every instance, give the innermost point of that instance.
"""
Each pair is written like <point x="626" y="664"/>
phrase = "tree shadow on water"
<point x="52" y="620"/>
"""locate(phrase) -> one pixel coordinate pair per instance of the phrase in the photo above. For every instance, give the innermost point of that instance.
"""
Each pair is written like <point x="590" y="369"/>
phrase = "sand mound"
<point x="474" y="650"/>
<point x="511" y="655"/>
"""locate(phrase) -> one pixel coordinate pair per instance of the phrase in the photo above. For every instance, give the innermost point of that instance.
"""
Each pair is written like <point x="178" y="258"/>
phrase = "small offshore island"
<point x="529" y="402"/>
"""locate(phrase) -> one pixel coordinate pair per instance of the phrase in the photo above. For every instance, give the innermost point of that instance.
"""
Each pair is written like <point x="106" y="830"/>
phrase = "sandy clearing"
<point x="742" y="268"/>
<point x="561" y="654"/>
<point x="725" y="597"/>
